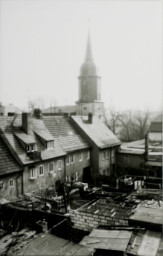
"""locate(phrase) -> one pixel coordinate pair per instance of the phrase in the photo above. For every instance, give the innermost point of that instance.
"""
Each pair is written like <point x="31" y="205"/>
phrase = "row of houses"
<point x="39" y="150"/>
<point x="36" y="151"/>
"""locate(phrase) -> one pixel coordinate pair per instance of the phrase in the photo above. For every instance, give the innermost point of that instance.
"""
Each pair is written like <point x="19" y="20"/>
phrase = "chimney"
<point x="146" y="147"/>
<point x="90" y="118"/>
<point x="25" y="122"/>
<point x="37" y="113"/>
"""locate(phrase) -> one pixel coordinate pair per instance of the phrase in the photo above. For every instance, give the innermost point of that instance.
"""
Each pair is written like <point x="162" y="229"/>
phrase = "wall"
<point x="78" y="165"/>
<point x="96" y="108"/>
<point x="129" y="160"/>
<point x="88" y="220"/>
<point x="47" y="180"/>
<point x="8" y="192"/>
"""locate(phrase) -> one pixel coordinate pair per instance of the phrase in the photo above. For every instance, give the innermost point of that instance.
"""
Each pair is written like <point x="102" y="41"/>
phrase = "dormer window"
<point x="30" y="147"/>
<point x="50" y="144"/>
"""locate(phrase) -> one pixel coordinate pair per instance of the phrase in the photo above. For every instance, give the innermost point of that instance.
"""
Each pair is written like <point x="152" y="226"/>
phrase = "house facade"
<point x="77" y="150"/>
<point x="41" y="157"/>
<point x="11" y="178"/>
<point x="103" y="147"/>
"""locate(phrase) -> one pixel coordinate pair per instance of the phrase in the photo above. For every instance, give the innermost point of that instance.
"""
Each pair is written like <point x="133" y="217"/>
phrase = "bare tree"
<point x="129" y="125"/>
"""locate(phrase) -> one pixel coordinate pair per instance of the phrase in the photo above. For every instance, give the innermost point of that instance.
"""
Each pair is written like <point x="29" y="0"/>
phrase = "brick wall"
<point x="88" y="220"/>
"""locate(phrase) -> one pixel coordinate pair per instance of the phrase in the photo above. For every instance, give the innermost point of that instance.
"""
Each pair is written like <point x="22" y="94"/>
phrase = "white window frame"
<point x="72" y="158"/>
<point x="88" y="154"/>
<point x="80" y="157"/>
<point x="68" y="160"/>
<point x="59" y="167"/>
<point x="50" y="171"/>
<point x="1" y="185"/>
<point x="42" y="174"/>
<point x="11" y="181"/>
<point x="33" y="173"/>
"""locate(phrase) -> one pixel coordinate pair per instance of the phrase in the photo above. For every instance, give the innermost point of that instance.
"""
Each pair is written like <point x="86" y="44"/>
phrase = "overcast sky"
<point x="42" y="46"/>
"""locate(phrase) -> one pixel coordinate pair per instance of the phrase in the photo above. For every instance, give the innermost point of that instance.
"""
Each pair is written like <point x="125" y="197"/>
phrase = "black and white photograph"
<point x="81" y="132"/>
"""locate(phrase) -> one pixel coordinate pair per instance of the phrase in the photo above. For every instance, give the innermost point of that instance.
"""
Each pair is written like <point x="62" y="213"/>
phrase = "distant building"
<point x="9" y="110"/>
<point x="143" y="157"/>
<point x="89" y="100"/>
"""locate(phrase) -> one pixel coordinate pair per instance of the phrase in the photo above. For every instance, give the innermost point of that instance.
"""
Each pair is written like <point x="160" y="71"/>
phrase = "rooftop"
<point x="97" y="131"/>
<point x="8" y="162"/>
<point x="63" y="131"/>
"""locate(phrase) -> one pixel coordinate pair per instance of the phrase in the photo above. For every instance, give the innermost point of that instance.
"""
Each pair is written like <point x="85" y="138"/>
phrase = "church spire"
<point x="88" y="55"/>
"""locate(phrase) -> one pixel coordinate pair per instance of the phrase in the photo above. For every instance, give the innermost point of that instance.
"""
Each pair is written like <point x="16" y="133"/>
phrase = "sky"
<point x="43" y="42"/>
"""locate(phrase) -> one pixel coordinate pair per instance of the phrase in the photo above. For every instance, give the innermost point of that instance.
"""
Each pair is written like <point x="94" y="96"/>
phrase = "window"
<point x="33" y="173"/>
<point x="50" y="144"/>
<point x="108" y="153"/>
<point x="59" y="163"/>
<point x="68" y="160"/>
<point x="80" y="157"/>
<point x="11" y="182"/>
<point x="88" y="154"/>
<point x="51" y="167"/>
<point x="72" y="159"/>
<point x="104" y="154"/>
<point x="1" y="184"/>
<point x="41" y="170"/>
<point x="30" y="147"/>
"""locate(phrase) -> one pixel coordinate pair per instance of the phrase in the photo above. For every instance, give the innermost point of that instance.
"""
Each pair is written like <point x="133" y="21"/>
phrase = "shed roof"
<point x="115" y="240"/>
<point x="97" y="131"/>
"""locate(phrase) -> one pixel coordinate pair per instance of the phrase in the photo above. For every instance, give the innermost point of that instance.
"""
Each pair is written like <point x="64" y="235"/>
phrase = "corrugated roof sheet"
<point x="97" y="131"/>
<point x="8" y="164"/>
<point x="63" y="131"/>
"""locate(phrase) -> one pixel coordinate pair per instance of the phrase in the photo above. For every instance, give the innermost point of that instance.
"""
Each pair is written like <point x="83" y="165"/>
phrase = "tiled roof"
<point x="44" y="134"/>
<point x="97" y="131"/>
<point x="8" y="164"/>
<point x="27" y="139"/>
<point x="63" y="132"/>
<point x="12" y="125"/>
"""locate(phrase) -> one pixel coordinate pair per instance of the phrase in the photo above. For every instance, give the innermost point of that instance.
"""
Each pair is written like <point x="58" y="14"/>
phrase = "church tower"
<point x="89" y="86"/>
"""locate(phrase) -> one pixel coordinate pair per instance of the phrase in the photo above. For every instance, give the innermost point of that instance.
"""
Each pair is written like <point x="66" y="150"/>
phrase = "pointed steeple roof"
<point x="88" y="68"/>
<point x="88" y="55"/>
